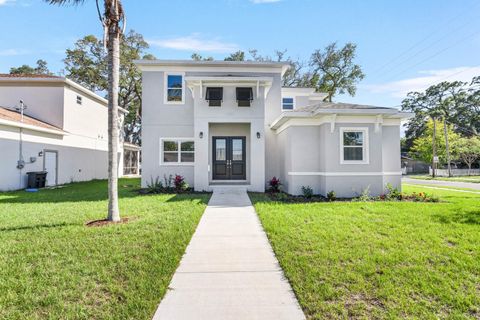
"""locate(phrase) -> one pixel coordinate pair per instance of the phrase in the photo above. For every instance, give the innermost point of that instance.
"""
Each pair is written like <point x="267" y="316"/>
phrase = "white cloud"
<point x="399" y="89"/>
<point x="264" y="1"/>
<point x="195" y="42"/>
<point x="12" y="52"/>
<point x="4" y="2"/>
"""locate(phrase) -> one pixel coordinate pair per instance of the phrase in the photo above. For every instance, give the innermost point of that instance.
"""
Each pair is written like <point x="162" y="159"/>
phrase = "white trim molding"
<point x="165" y="87"/>
<point x="365" y="146"/>
<point x="343" y="174"/>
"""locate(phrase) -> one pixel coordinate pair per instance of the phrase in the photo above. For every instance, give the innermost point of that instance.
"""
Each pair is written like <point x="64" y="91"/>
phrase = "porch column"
<point x="201" y="172"/>
<point x="257" y="156"/>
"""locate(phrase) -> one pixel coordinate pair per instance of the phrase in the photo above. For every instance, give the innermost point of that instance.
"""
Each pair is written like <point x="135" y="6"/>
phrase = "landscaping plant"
<point x="275" y="185"/>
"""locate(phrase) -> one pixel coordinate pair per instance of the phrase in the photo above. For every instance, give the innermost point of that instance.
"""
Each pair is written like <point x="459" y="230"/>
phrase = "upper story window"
<point x="214" y="96"/>
<point x="287" y="103"/>
<point x="244" y="97"/>
<point x="178" y="151"/>
<point x="174" y="89"/>
<point x="354" y="145"/>
<point x="79" y="100"/>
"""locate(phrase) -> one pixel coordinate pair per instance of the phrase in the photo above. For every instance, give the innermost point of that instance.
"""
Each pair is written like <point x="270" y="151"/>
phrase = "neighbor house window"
<point x="244" y="96"/>
<point x="287" y="103"/>
<point x="177" y="151"/>
<point x="174" y="89"/>
<point x="214" y="96"/>
<point x="79" y="100"/>
<point x="354" y="145"/>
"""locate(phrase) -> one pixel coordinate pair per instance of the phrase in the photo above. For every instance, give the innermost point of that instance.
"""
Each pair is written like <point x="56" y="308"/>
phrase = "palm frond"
<point x="65" y="2"/>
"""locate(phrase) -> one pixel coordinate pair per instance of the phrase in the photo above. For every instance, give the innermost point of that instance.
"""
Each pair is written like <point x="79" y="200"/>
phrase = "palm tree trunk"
<point x="113" y="121"/>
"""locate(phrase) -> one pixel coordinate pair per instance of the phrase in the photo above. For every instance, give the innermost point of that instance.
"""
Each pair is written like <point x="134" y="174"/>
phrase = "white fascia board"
<point x="32" y="127"/>
<point x="228" y="79"/>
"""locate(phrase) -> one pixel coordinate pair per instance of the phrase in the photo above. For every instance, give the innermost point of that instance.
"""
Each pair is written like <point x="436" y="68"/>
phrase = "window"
<point x="79" y="100"/>
<point x="214" y="96"/>
<point x="354" y="145"/>
<point x="244" y="96"/>
<point x="177" y="151"/>
<point x="174" y="88"/>
<point x="287" y="104"/>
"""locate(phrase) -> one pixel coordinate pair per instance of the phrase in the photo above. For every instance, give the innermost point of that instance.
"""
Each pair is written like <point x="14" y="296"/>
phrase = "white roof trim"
<point x="31" y="127"/>
<point x="66" y="83"/>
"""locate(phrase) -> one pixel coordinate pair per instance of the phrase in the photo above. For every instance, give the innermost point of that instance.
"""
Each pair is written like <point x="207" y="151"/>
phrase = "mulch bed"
<point x="105" y="222"/>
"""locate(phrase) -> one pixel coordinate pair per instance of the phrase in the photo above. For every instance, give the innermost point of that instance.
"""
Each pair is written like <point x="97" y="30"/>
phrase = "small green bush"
<point x="154" y="186"/>
<point x="307" y="192"/>
<point x="331" y="196"/>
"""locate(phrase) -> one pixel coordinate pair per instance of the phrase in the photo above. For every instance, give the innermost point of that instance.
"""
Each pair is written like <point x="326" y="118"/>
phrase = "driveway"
<point x="441" y="183"/>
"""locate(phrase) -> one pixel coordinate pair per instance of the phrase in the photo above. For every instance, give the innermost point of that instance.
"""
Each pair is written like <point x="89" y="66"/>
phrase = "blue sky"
<point x="403" y="45"/>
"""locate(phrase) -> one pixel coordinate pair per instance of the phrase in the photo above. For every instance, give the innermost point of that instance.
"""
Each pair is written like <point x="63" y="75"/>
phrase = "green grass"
<point x="384" y="260"/>
<point x="472" y="179"/>
<point x="54" y="267"/>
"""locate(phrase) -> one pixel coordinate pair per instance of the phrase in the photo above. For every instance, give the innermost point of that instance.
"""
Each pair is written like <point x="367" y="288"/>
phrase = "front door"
<point x="229" y="158"/>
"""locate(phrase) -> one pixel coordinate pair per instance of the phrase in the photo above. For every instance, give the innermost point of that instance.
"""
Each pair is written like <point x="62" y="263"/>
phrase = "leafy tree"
<point x="86" y="64"/>
<point x="41" y="68"/>
<point x="111" y="18"/>
<point x="422" y="148"/>
<point x="236" y="56"/>
<point x="198" y="57"/>
<point x="469" y="150"/>
<point x="335" y="71"/>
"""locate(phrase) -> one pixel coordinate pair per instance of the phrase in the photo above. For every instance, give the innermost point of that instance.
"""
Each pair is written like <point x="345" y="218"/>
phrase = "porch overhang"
<point x="224" y="81"/>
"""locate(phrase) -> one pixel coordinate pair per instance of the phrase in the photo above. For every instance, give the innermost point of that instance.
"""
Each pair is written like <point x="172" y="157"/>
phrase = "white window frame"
<point x="365" y="147"/>
<point x="293" y="103"/>
<point x="179" y="152"/>
<point x="165" y="87"/>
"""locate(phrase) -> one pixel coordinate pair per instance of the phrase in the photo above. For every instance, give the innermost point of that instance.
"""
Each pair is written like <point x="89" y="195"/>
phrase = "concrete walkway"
<point x="229" y="270"/>
<point x="440" y="183"/>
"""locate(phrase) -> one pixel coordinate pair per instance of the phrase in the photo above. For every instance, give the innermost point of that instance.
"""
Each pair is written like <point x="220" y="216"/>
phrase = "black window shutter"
<point x="244" y="94"/>
<point x="214" y="94"/>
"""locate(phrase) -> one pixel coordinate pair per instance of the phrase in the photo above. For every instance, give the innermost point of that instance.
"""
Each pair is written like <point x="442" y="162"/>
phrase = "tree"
<point x="445" y="100"/>
<point x="111" y="18"/>
<point x="198" y="57"/>
<point x="335" y="71"/>
<point x="469" y="150"/>
<point x="236" y="56"/>
<point x="41" y="68"/>
<point x="422" y="148"/>
<point x="86" y="64"/>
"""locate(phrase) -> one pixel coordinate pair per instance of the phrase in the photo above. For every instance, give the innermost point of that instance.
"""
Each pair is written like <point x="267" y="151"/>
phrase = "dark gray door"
<point x="229" y="158"/>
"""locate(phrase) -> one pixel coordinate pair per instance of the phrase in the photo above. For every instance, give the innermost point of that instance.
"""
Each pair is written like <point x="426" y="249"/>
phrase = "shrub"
<point x="307" y="192"/>
<point x="168" y="181"/>
<point x="331" y="196"/>
<point x="365" y="195"/>
<point x="280" y="196"/>
<point x="393" y="193"/>
<point x="154" y="186"/>
<point x="179" y="183"/>
<point x="275" y="184"/>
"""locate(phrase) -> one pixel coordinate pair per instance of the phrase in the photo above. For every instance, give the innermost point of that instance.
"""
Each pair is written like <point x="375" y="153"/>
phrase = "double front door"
<point x="229" y="158"/>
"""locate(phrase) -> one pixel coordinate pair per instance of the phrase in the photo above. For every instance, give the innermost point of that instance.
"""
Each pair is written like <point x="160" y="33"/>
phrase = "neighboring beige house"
<point x="232" y="123"/>
<point x="63" y="131"/>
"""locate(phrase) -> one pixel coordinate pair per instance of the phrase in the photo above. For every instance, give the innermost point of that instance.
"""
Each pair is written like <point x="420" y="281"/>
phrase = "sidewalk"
<point x="440" y="183"/>
<point x="229" y="270"/>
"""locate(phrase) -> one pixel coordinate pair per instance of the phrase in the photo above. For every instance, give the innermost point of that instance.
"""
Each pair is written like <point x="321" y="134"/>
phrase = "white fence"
<point x="455" y="172"/>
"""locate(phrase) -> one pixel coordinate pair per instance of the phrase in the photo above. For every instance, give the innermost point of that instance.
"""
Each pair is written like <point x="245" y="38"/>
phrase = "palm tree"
<point x="112" y="18"/>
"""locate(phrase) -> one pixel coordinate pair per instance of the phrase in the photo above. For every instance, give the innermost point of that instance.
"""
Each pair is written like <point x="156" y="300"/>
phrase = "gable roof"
<point x="14" y="118"/>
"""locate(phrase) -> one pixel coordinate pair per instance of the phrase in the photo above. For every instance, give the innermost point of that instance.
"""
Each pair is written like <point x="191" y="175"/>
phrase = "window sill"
<point x="175" y="164"/>
<point x="353" y="162"/>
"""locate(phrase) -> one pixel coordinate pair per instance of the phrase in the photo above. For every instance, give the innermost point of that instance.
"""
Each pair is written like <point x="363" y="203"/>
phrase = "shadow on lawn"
<point x="39" y="226"/>
<point x="467" y="217"/>
<point x="95" y="190"/>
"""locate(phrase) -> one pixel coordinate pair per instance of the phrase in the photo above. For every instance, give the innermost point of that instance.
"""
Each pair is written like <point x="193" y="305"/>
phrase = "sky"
<point x="402" y="45"/>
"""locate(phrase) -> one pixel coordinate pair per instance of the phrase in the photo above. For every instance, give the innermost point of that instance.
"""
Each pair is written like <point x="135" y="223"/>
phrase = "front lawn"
<point x="54" y="267"/>
<point x="472" y="179"/>
<point x="380" y="259"/>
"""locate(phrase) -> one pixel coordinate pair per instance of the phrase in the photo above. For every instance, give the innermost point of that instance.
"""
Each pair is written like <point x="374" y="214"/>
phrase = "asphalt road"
<point x="440" y="183"/>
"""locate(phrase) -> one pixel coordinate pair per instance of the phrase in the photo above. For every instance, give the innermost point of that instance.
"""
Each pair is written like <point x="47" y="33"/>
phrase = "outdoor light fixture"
<point x="201" y="135"/>
<point x="258" y="135"/>
<point x="40" y="153"/>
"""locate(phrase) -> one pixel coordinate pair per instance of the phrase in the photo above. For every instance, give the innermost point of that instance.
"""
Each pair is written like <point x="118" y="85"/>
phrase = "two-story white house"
<point x="232" y="123"/>
<point x="63" y="130"/>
